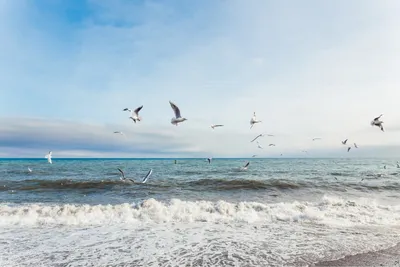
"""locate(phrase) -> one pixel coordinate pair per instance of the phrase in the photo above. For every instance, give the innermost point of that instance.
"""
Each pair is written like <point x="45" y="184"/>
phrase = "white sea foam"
<point x="185" y="233"/>
<point x="328" y="211"/>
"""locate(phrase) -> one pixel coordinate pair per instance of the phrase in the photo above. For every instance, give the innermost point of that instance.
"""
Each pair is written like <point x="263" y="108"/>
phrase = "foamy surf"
<point x="328" y="211"/>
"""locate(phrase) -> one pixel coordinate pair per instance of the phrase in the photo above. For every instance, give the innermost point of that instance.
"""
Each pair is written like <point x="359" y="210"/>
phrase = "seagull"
<point x="317" y="138"/>
<point x="259" y="146"/>
<point x="254" y="120"/>
<point x="256" y="156"/>
<point x="355" y="145"/>
<point x="260" y="135"/>
<point x="377" y="122"/>
<point x="246" y="166"/>
<point x="48" y="157"/>
<point x="344" y="142"/>
<point x="177" y="112"/>
<point x="134" y="113"/>
<point x="216" y="125"/>
<point x="29" y="169"/>
<point x="348" y="149"/>
<point x="144" y="180"/>
<point x="118" y="132"/>
<point x="271" y="145"/>
<point x="209" y="160"/>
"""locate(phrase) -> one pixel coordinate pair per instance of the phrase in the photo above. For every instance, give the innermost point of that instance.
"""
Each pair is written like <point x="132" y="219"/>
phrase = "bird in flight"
<point x="134" y="113"/>
<point x="254" y="120"/>
<point x="48" y="157"/>
<point x="246" y="166"/>
<point x="377" y="122"/>
<point x="216" y="125"/>
<point x="144" y="180"/>
<point x="344" y="142"/>
<point x="259" y="146"/>
<point x="178" y="118"/>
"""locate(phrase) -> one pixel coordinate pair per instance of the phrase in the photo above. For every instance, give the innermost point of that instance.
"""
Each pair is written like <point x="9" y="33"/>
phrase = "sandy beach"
<point x="387" y="257"/>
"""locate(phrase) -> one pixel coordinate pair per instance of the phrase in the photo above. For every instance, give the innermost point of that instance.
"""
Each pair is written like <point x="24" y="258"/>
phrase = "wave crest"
<point x="330" y="210"/>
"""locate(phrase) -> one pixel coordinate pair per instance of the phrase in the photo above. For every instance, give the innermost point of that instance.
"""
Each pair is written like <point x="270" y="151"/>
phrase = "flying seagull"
<point x="29" y="169"/>
<point x="254" y="120"/>
<point x="271" y="145"/>
<point x="48" y="157"/>
<point x="144" y="180"/>
<point x="254" y="156"/>
<point x="344" y="142"/>
<point x="216" y="125"/>
<point x="178" y="118"/>
<point x="118" y="132"/>
<point x="246" y="166"/>
<point x="260" y="135"/>
<point x="348" y="149"/>
<point x="355" y="145"/>
<point x="259" y="146"/>
<point x="209" y="160"/>
<point x="377" y="122"/>
<point x="134" y="113"/>
<point x="317" y="138"/>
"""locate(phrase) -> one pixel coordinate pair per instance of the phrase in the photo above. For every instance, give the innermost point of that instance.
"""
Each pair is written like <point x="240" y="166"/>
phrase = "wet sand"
<point x="386" y="257"/>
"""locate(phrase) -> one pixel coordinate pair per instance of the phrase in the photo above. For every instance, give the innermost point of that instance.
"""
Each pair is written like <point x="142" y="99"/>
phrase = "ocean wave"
<point x="329" y="211"/>
<point x="224" y="184"/>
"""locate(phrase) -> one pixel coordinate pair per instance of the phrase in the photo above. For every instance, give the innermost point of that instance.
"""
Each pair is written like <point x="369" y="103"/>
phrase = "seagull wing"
<point x="147" y="176"/>
<point x="176" y="110"/>
<point x="377" y="118"/>
<point x="256" y="138"/>
<point x="136" y="111"/>
<point x="123" y="174"/>
<point x="247" y="164"/>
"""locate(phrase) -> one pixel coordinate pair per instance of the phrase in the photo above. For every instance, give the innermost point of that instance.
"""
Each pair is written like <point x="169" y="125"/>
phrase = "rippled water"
<point x="279" y="211"/>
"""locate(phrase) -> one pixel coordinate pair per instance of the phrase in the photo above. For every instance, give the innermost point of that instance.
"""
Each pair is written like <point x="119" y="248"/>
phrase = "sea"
<point x="278" y="212"/>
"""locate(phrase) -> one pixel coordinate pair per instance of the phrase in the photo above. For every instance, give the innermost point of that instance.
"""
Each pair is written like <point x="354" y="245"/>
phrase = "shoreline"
<point x="385" y="257"/>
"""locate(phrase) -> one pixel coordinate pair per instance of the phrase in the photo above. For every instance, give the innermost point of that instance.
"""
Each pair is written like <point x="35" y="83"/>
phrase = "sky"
<point x="308" y="69"/>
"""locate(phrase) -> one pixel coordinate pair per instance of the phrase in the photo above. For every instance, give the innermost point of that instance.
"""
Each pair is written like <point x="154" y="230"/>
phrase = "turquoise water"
<point x="192" y="213"/>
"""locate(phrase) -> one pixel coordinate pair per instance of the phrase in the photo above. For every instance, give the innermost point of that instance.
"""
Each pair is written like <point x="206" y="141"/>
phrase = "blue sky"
<point x="309" y="69"/>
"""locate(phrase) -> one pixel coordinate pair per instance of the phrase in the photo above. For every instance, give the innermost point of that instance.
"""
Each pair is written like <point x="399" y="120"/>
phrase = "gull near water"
<point x="246" y="166"/>
<point x="48" y="157"/>
<point x="144" y="180"/>
<point x="178" y="118"/>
